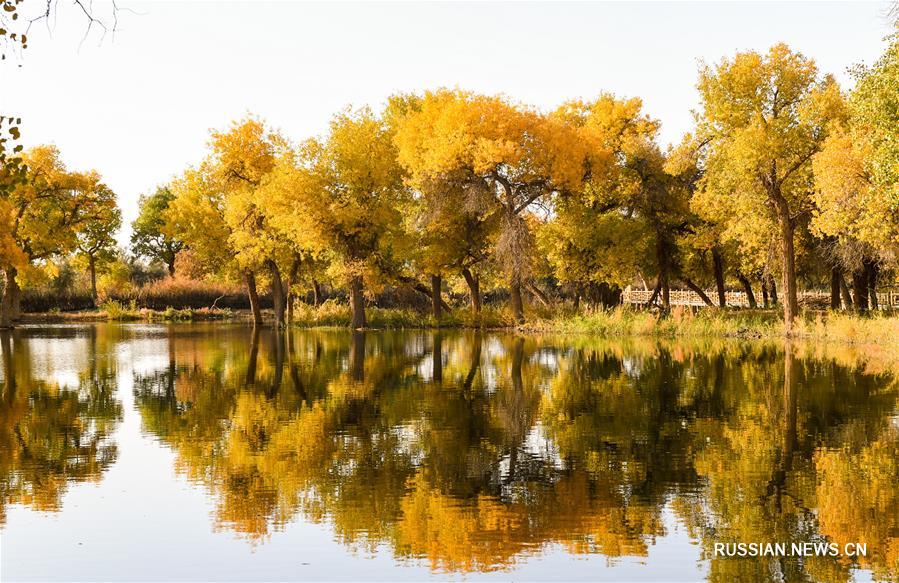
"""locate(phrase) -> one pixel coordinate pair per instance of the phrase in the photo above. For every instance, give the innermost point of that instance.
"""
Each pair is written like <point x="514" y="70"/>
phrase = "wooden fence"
<point x="885" y="299"/>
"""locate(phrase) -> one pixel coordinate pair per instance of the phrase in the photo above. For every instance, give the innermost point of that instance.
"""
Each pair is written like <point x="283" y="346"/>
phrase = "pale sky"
<point x="138" y="107"/>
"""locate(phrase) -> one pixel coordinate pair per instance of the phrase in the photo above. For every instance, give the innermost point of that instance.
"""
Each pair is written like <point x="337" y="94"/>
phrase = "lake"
<point x="216" y="452"/>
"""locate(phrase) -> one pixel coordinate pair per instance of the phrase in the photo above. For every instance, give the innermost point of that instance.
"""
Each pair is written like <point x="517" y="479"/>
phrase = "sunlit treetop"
<point x="857" y="172"/>
<point x="491" y="136"/>
<point x="340" y="194"/>
<point x="196" y="215"/>
<point x="245" y="152"/>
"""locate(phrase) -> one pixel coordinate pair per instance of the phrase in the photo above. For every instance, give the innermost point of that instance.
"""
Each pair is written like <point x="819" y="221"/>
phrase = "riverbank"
<point x="118" y="312"/>
<point x="873" y="328"/>
<point x="759" y="323"/>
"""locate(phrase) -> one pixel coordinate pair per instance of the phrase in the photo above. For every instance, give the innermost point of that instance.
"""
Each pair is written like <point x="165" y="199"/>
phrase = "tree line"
<point x="785" y="180"/>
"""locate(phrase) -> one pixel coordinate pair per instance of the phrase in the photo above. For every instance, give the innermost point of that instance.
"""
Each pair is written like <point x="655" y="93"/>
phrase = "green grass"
<point x="119" y="311"/>
<point x="116" y="310"/>
<point x="625" y="321"/>
<point x="872" y="328"/>
<point x="338" y="315"/>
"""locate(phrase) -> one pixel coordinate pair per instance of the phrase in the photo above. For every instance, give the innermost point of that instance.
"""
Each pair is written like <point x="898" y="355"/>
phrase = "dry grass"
<point x="337" y="314"/>
<point x="181" y="293"/>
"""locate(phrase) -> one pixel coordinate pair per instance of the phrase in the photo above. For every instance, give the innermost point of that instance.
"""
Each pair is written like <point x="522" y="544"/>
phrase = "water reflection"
<point x="58" y="414"/>
<point x="471" y="451"/>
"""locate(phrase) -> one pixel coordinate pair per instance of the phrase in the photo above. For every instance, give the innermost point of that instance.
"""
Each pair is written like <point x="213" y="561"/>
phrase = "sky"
<point x="138" y="105"/>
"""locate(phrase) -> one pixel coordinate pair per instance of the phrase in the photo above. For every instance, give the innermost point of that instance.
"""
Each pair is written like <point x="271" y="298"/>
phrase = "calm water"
<point x="150" y="452"/>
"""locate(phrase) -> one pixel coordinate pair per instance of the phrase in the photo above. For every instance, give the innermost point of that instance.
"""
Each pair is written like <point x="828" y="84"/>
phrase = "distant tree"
<point x="95" y="240"/>
<point x="149" y="237"/>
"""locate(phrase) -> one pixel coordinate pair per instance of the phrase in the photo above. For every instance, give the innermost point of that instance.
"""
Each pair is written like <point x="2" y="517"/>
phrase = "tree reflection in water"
<point x="52" y="432"/>
<point x="473" y="450"/>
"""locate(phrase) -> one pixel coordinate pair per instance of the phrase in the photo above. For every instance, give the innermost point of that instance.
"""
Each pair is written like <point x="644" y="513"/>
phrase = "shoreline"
<point x="846" y="328"/>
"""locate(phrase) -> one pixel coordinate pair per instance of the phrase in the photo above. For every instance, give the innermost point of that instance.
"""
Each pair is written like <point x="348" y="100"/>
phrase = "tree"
<point x="452" y="225"/>
<point x="507" y="154"/>
<point x="149" y="236"/>
<point x="453" y="231"/>
<point x="197" y="216"/>
<point x="241" y="158"/>
<point x="94" y="239"/>
<point x="764" y="117"/>
<point x="216" y="212"/>
<point x="627" y="216"/>
<point x="45" y="213"/>
<point x="856" y="177"/>
<point x="342" y="196"/>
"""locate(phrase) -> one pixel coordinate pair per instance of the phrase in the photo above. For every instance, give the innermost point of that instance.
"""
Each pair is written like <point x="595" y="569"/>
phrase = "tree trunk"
<point x="705" y="298"/>
<point x="772" y="285"/>
<point x="436" y="284"/>
<point x="16" y="302"/>
<point x="747" y="288"/>
<point x="860" y="290"/>
<point x="316" y="293"/>
<point x="171" y="266"/>
<point x="718" y="264"/>
<point x="92" y="268"/>
<point x="357" y="302"/>
<point x="871" y="271"/>
<point x="834" y="288"/>
<point x="250" y="279"/>
<point x="655" y="293"/>
<point x="788" y="261"/>
<point x="474" y="289"/>
<point x="291" y="285"/>
<point x="765" y="299"/>
<point x="279" y="298"/>
<point x="664" y="279"/>
<point x="844" y="293"/>
<point x="517" y="305"/>
<point x="665" y="290"/>
<point x="544" y="299"/>
<point x="10" y="299"/>
<point x="426" y="291"/>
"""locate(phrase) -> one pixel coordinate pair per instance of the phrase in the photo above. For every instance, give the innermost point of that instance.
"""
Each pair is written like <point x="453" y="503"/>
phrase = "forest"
<point x="449" y="200"/>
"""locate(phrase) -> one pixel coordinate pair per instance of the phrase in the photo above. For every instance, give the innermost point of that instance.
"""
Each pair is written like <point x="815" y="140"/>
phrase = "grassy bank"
<point x="113" y="310"/>
<point x="874" y="328"/>
<point x="338" y="315"/>
<point x="877" y="327"/>
<point x="683" y="322"/>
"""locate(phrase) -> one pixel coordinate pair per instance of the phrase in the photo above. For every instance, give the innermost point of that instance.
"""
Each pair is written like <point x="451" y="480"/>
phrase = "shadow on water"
<point x="472" y="450"/>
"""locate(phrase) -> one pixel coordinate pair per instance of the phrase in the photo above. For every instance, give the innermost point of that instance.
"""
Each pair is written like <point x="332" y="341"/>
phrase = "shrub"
<point x="116" y="310"/>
